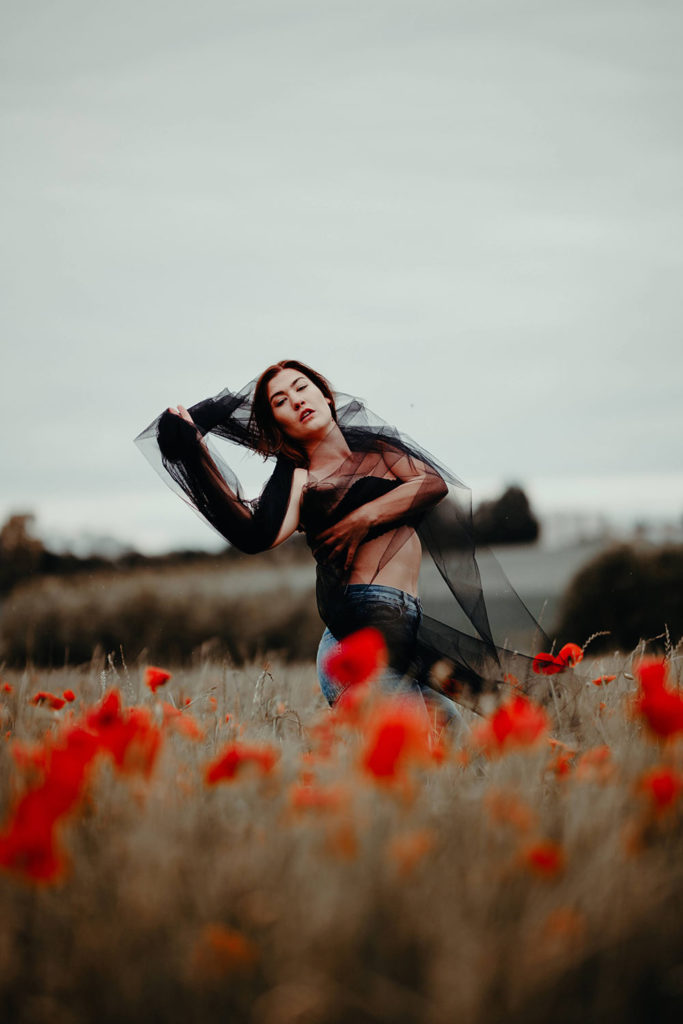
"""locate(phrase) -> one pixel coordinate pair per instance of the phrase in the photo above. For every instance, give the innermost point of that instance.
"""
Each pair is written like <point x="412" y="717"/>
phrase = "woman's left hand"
<point x="340" y="542"/>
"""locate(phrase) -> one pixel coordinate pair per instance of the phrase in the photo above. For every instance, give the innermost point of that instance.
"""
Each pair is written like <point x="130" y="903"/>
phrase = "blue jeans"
<point x="397" y="616"/>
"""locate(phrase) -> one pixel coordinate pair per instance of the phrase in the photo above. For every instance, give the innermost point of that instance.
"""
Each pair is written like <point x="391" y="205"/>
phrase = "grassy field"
<point x="335" y="870"/>
<point x="231" y="609"/>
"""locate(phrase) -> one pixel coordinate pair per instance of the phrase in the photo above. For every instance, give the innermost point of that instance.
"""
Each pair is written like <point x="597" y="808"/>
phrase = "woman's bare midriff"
<point x="402" y="571"/>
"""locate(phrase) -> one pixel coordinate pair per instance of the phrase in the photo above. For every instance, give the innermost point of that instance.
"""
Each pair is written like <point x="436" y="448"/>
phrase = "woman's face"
<point x="299" y="407"/>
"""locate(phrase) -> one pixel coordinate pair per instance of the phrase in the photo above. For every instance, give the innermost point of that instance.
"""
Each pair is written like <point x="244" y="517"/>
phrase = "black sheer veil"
<point x="476" y="632"/>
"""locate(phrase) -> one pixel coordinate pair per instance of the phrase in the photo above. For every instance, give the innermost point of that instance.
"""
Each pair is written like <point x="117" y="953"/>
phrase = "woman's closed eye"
<point x="283" y="400"/>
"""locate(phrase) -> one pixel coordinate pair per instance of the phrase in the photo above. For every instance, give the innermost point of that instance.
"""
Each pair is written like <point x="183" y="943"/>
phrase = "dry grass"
<point x="407" y="901"/>
<point x="174" y="614"/>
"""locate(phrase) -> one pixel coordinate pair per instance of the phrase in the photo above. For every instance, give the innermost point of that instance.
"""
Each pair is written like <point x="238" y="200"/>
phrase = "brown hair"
<point x="271" y="440"/>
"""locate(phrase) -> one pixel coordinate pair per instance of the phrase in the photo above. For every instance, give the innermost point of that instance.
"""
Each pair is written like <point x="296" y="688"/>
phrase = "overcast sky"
<point x="468" y="213"/>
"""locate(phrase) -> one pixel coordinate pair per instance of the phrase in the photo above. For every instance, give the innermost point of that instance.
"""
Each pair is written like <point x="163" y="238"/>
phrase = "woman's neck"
<point x="330" y="449"/>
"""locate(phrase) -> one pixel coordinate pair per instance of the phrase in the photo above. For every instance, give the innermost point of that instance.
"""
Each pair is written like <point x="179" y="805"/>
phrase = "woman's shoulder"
<point x="299" y="481"/>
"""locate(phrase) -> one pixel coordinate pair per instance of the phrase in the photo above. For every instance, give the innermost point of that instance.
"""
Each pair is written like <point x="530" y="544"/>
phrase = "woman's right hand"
<point x="182" y="413"/>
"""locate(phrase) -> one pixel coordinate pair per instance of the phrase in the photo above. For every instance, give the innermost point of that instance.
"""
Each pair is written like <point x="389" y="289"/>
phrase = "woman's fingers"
<point x="183" y="413"/>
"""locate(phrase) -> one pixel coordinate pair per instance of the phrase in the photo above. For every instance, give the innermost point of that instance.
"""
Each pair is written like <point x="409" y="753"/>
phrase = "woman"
<point x="364" y="495"/>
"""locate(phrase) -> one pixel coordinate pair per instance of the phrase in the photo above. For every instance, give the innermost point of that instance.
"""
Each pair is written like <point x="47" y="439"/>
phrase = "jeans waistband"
<point x="363" y="591"/>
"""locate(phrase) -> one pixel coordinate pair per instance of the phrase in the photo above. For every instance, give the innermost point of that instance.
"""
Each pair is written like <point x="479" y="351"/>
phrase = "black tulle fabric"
<point x="474" y="626"/>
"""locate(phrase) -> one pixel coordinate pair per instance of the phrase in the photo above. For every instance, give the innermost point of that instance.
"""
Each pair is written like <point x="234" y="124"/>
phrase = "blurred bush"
<point x="634" y="592"/>
<point x="21" y="553"/>
<point x="508" y="519"/>
<point x="169" y="616"/>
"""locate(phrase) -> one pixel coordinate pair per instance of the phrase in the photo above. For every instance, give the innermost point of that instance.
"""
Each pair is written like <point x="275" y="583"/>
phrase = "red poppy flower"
<point x="359" y="657"/>
<point x="516" y="723"/>
<point x="512" y="680"/>
<point x="603" y="680"/>
<point x="29" y="843"/>
<point x="570" y="654"/>
<point x="222" y="951"/>
<point x="652" y="673"/>
<point x="51" y="699"/>
<point x="312" y="797"/>
<point x="547" y="664"/>
<point x="235" y="756"/>
<point x="106" y="712"/>
<point x="130" y="735"/>
<point x="409" y="849"/>
<point x="563" y="761"/>
<point x="351" y="704"/>
<point x="545" y="858"/>
<point x="550" y="664"/>
<point x="6" y="688"/>
<point x="506" y="808"/>
<point x="661" y="707"/>
<point x="69" y="695"/>
<point x="181" y="722"/>
<point x="595" y="765"/>
<point x="397" y="734"/>
<point x="30" y="848"/>
<point x="156" y="677"/>
<point x="663" y="786"/>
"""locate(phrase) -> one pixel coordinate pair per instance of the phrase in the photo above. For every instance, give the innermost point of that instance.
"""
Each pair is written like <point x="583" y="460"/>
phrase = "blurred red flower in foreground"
<point x="506" y="808"/>
<point x="223" y="951"/>
<point x="130" y="735"/>
<point x="235" y="756"/>
<point x="663" y="786"/>
<point x="545" y="858"/>
<point x="595" y="765"/>
<point x="182" y="722"/>
<point x="51" y="699"/>
<point x="358" y="658"/>
<point x="409" y="849"/>
<point x="550" y="664"/>
<point x="29" y="843"/>
<point x="397" y="733"/>
<point x="516" y="723"/>
<point x="156" y="677"/>
<point x="562" y="763"/>
<point x="661" y="707"/>
<point x="314" y="797"/>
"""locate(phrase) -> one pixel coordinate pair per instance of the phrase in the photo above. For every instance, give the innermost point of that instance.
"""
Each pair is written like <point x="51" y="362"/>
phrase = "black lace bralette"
<point x="322" y="508"/>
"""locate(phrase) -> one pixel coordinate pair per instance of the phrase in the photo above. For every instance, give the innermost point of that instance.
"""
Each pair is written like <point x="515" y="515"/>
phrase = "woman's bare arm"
<point x="422" y="488"/>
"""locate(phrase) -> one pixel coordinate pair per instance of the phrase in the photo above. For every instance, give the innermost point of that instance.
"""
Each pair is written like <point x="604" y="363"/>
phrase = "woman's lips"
<point x="305" y="415"/>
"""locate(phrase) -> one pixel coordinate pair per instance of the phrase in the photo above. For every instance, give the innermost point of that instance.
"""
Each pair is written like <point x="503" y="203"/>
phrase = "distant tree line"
<point x="24" y="556"/>
<point x="507" y="520"/>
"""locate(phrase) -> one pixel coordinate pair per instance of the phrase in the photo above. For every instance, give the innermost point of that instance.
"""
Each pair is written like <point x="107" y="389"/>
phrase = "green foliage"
<point x="634" y="592"/>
